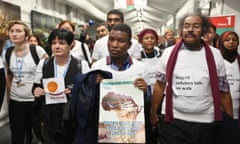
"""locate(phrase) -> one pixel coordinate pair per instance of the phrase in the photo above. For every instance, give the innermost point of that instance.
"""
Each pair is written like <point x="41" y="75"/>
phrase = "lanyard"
<point x="65" y="70"/>
<point x="19" y="64"/>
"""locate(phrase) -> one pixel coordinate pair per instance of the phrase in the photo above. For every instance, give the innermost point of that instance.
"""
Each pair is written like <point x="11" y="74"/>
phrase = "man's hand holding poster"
<point x="121" y="116"/>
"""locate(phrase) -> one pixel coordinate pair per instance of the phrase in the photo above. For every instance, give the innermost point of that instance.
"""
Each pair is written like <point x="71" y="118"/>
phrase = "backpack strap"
<point x="8" y="55"/>
<point x="34" y="54"/>
<point x="45" y="63"/>
<point x="32" y="50"/>
<point x="85" y="54"/>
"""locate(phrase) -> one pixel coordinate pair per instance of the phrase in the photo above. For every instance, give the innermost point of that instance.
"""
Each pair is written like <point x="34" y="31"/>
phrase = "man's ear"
<point x="130" y="44"/>
<point x="26" y="38"/>
<point x="73" y="44"/>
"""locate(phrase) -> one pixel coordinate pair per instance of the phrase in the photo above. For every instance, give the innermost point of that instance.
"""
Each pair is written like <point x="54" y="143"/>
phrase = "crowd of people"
<point x="190" y="85"/>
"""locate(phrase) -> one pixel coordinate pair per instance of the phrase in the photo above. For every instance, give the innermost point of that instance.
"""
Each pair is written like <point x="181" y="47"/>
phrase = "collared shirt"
<point x="127" y="64"/>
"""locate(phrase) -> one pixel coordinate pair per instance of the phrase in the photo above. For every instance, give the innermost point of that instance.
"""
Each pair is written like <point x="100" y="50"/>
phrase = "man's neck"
<point x="194" y="46"/>
<point x="20" y="47"/>
<point x="119" y="61"/>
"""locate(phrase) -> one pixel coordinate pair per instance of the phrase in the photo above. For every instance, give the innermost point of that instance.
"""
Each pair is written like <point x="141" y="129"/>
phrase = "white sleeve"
<point x="88" y="52"/>
<point x="38" y="74"/>
<point x="219" y="61"/>
<point x="162" y="63"/>
<point x="135" y="49"/>
<point x="85" y="67"/>
<point x="97" y="47"/>
<point x="40" y="51"/>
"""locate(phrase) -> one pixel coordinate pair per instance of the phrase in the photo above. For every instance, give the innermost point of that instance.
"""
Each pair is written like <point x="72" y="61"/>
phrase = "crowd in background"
<point x="159" y="64"/>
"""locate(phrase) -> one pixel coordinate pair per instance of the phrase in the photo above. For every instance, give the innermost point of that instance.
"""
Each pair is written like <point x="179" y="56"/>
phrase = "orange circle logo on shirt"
<point x="52" y="86"/>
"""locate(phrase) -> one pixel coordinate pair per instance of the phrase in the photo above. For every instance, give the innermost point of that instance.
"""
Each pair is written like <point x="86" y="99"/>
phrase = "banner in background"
<point x="223" y="23"/>
<point x="130" y="4"/>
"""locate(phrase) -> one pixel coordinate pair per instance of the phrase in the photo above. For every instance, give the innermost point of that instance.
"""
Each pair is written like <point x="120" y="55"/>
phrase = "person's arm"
<point x="156" y="100"/>
<point x="2" y="86"/>
<point x="95" y="53"/>
<point x="9" y="78"/>
<point x="37" y="88"/>
<point x="226" y="102"/>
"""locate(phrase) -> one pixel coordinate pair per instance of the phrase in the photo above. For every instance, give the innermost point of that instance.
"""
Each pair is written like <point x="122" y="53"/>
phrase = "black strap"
<point x="34" y="54"/>
<point x="8" y="55"/>
<point x="85" y="54"/>
<point x="32" y="50"/>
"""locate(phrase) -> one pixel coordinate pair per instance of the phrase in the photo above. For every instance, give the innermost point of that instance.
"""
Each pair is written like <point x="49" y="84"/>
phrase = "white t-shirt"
<point x="192" y="96"/>
<point x="101" y="49"/>
<point x="136" y="70"/>
<point x="151" y="69"/>
<point x="23" y="69"/>
<point x="77" y="51"/>
<point x="233" y="77"/>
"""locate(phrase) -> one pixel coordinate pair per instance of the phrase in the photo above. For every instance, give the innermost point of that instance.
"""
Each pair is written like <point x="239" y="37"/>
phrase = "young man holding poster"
<point x="119" y="63"/>
<point x="193" y="76"/>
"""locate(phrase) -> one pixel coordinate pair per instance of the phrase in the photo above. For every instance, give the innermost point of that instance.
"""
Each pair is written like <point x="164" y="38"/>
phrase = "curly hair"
<point x="206" y="23"/>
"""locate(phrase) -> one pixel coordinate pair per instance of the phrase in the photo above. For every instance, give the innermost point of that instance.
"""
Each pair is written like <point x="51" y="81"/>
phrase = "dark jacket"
<point x="2" y="86"/>
<point x="85" y="106"/>
<point x="54" y="115"/>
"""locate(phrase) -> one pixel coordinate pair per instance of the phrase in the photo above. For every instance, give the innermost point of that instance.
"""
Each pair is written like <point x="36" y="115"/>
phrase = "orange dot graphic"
<point x="52" y="86"/>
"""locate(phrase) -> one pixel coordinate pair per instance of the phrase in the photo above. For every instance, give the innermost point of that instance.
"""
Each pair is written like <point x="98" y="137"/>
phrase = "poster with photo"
<point x="121" y="112"/>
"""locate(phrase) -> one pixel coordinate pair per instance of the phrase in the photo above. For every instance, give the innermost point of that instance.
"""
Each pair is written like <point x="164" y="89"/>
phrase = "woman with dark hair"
<point x="34" y="40"/>
<point x="228" y="44"/>
<point x="58" y="125"/>
<point x="150" y="55"/>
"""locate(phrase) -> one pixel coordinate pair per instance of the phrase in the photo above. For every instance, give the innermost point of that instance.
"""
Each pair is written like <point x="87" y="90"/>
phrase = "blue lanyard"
<point x="20" y="66"/>
<point x="66" y="69"/>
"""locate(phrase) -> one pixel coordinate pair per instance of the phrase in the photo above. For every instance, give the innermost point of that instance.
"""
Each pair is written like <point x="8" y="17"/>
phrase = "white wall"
<point x="232" y="7"/>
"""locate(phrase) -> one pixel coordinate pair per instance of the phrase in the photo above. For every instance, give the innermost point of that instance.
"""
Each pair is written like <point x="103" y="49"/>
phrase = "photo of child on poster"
<point x="121" y="114"/>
